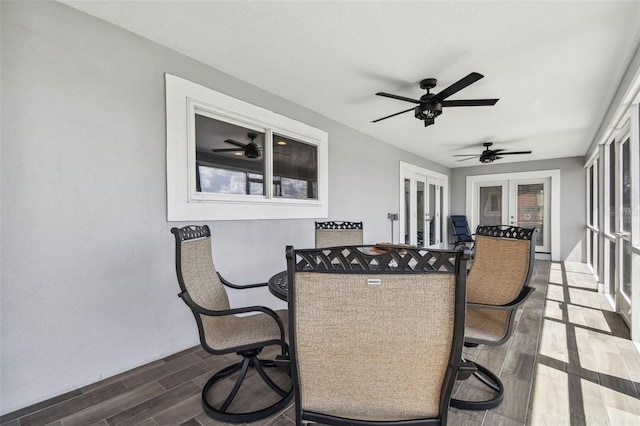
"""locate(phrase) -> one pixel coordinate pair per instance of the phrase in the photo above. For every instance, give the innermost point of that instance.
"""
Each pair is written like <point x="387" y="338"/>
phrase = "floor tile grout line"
<point x="535" y="356"/>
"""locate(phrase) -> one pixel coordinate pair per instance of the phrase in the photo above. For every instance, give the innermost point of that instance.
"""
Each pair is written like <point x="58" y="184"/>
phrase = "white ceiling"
<point x="554" y="65"/>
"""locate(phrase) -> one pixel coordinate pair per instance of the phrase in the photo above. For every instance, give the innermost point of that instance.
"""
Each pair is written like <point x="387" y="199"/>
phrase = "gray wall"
<point x="88" y="279"/>
<point x="572" y="189"/>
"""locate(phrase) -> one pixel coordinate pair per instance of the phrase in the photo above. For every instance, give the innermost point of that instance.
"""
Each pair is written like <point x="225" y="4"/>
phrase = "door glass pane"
<point x="407" y="210"/>
<point x="611" y="283"/>
<point x="490" y="205"/>
<point x="595" y="250"/>
<point x="442" y="224"/>
<point x="590" y="210"/>
<point x="612" y="188"/>
<point x="591" y="239"/>
<point x="421" y="212"/>
<point x="626" y="186"/>
<point x="530" y="205"/>
<point x="626" y="268"/>
<point x="433" y="196"/>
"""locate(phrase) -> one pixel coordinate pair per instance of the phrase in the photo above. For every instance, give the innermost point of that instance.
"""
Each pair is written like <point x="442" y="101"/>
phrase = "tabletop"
<point x="278" y="283"/>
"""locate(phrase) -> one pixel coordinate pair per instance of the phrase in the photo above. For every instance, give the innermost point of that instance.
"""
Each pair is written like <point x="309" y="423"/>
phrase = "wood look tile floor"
<point x="569" y="362"/>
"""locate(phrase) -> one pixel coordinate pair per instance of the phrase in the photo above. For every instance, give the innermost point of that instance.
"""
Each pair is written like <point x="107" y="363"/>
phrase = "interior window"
<point x="295" y="168"/>
<point x="230" y="160"/>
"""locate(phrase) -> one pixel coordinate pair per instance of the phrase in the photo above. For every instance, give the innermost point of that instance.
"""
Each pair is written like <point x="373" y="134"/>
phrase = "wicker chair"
<point x="330" y="234"/>
<point x="375" y="338"/>
<point x="497" y="285"/>
<point x="222" y="332"/>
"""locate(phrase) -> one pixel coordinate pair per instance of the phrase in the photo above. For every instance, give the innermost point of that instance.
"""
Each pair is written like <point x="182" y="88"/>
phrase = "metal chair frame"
<point x="249" y="352"/>
<point x="483" y="374"/>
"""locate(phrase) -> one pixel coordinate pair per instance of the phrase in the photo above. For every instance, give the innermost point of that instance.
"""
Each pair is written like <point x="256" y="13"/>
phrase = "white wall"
<point x="88" y="284"/>
<point x="572" y="197"/>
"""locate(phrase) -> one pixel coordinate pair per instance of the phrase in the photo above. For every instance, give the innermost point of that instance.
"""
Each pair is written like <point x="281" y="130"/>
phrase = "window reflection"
<point x="295" y="168"/>
<point x="531" y="208"/>
<point x="491" y="205"/>
<point x="230" y="158"/>
<point x="626" y="186"/>
<point x="612" y="187"/>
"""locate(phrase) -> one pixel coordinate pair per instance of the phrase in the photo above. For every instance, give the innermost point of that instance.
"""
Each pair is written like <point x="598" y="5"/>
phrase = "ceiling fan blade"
<point x="393" y="115"/>
<point x="459" y="85"/>
<point x="469" y="102"/>
<point x="236" y="143"/>
<point x="466" y="155"/>
<point x="515" y="152"/>
<point x="470" y="158"/>
<point x="498" y="157"/>
<point x="228" y="150"/>
<point x="401" y="98"/>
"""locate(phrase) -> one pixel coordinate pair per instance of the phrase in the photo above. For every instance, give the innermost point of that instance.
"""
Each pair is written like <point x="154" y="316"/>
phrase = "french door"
<point x="618" y="235"/>
<point x="422" y="206"/>
<point x="517" y="202"/>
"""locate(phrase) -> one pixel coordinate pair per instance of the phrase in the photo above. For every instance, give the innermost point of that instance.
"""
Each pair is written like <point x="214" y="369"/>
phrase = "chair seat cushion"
<point x="232" y="331"/>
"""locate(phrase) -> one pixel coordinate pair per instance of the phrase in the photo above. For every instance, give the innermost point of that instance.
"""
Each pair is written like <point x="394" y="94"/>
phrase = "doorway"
<point x="618" y="227"/>
<point x="518" y="199"/>
<point x="423" y="207"/>
<point x="522" y="202"/>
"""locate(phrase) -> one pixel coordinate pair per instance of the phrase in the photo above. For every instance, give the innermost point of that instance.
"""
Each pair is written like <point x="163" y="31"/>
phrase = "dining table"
<point x="278" y="285"/>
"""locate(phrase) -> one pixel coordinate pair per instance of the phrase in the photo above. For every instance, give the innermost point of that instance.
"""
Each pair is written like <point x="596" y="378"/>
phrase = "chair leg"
<point x="250" y="360"/>
<point x="486" y="377"/>
<point x="270" y="364"/>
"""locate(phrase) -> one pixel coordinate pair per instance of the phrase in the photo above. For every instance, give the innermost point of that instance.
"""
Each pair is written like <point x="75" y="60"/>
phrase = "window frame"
<point x="183" y="100"/>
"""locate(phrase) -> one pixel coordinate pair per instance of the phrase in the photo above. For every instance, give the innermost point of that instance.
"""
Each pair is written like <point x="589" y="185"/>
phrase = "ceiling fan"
<point x="430" y="104"/>
<point x="489" y="155"/>
<point x="251" y="149"/>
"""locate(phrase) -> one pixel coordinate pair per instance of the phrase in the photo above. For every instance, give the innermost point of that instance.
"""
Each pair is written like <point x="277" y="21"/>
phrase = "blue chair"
<point x="461" y="231"/>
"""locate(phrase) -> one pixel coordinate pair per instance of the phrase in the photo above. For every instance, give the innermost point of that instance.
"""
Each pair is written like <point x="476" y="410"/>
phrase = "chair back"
<point x="201" y="286"/>
<point x="331" y="234"/>
<point x="375" y="337"/>
<point x="502" y="264"/>
<point x="498" y="282"/>
<point x="460" y="225"/>
<point x="196" y="272"/>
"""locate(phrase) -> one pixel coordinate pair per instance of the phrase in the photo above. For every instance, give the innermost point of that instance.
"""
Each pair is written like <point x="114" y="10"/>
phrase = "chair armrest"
<point x="246" y="309"/>
<point x="524" y="294"/>
<point x="240" y="287"/>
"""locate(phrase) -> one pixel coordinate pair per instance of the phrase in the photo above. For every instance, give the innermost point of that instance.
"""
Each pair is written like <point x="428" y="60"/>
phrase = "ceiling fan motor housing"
<point x="252" y="150"/>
